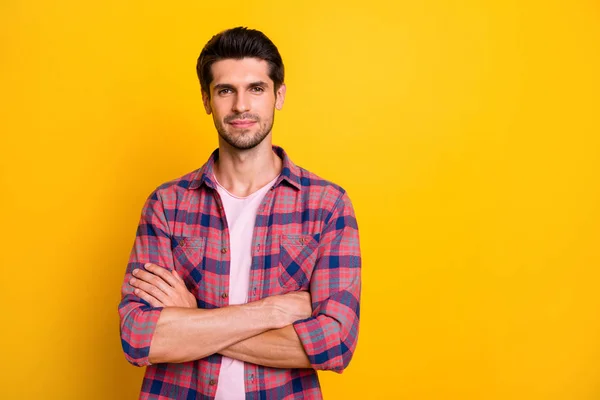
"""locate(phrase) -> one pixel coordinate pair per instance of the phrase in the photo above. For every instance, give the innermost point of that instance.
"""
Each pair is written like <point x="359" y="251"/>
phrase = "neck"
<point x="243" y="172"/>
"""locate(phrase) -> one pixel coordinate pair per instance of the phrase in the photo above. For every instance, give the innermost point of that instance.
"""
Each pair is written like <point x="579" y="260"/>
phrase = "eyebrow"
<point x="230" y="86"/>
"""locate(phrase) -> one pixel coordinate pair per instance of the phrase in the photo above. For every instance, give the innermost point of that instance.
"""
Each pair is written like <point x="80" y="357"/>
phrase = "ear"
<point x="206" y="102"/>
<point x="280" y="96"/>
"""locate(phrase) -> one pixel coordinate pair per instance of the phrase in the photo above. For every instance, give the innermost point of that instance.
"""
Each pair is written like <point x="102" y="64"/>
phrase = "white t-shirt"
<point x="241" y="216"/>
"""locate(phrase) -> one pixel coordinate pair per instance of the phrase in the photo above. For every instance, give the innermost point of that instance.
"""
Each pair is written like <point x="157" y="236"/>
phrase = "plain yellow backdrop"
<point x="465" y="132"/>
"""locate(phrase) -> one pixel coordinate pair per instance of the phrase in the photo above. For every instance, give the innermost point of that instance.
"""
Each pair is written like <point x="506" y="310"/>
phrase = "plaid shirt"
<point x="305" y="238"/>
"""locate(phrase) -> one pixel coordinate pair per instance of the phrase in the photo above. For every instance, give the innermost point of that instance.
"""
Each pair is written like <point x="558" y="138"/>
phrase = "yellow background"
<point x="465" y="132"/>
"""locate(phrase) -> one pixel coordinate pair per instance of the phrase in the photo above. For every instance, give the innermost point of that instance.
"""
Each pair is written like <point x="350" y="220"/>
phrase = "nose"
<point x="241" y="103"/>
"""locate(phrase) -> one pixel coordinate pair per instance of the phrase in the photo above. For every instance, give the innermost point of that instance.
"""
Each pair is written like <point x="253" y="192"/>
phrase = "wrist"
<point x="266" y="311"/>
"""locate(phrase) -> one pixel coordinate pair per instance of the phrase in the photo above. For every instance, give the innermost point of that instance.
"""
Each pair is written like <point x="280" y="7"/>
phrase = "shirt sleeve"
<point x="152" y="245"/>
<point x="330" y="335"/>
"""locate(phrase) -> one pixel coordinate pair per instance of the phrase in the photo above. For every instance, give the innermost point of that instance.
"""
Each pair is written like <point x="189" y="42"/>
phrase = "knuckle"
<point x="156" y="273"/>
<point x="143" y="277"/>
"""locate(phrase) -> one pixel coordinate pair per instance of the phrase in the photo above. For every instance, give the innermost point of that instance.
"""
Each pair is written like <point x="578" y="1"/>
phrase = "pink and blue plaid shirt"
<point x="305" y="238"/>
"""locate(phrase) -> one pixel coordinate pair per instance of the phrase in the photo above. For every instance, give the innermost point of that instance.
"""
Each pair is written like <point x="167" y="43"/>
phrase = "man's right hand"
<point x="290" y="307"/>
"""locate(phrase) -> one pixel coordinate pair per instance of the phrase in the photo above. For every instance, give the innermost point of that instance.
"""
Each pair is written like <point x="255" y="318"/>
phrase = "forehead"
<point x="245" y="70"/>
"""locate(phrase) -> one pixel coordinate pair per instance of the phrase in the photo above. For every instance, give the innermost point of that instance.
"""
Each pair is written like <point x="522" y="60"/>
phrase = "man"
<point x="244" y="278"/>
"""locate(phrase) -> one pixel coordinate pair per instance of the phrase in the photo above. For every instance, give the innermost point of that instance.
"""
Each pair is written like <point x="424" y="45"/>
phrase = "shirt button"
<point x="181" y="243"/>
<point x="224" y="250"/>
<point x="224" y="295"/>
<point x="212" y="382"/>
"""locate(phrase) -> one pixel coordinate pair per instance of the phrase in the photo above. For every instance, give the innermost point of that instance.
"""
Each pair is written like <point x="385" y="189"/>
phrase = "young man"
<point x="244" y="278"/>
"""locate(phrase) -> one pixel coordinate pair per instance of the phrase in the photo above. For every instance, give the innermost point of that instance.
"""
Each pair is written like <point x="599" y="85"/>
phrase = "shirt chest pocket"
<point x="297" y="259"/>
<point x="188" y="258"/>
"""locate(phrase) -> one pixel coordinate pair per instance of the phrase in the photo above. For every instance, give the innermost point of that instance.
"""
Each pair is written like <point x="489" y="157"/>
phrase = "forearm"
<point x="185" y="334"/>
<point x="277" y="348"/>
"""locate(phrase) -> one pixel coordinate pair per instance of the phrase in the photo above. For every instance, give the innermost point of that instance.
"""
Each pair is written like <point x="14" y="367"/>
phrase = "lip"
<point x="242" y="123"/>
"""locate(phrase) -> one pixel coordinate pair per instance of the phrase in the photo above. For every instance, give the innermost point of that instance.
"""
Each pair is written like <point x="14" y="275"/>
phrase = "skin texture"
<point x="242" y="103"/>
<point x="275" y="344"/>
<point x="278" y="348"/>
<point x="242" y="92"/>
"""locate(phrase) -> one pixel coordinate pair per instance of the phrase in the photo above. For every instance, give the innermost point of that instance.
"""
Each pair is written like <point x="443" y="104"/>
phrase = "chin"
<point x="246" y="139"/>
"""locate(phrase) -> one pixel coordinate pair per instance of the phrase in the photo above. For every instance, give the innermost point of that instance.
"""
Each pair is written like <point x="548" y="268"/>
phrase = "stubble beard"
<point x="244" y="139"/>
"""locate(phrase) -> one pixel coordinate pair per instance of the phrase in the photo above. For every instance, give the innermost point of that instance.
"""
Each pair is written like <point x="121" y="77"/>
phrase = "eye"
<point x="224" y="91"/>
<point x="257" y="89"/>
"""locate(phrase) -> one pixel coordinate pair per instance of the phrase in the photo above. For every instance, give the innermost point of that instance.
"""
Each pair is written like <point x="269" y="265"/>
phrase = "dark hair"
<point x="238" y="43"/>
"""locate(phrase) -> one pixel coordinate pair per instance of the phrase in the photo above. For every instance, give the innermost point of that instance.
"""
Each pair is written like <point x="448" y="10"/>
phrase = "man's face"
<point x="242" y="101"/>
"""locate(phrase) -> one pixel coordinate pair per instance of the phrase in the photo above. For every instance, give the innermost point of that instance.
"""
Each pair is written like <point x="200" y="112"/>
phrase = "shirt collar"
<point x="290" y="172"/>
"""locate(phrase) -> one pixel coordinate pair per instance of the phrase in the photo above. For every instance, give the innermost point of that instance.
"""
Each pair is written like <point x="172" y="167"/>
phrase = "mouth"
<point x="242" y="123"/>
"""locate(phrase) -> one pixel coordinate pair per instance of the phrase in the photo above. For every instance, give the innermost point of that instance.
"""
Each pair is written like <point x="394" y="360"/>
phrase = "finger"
<point x="152" y="279"/>
<point x="150" y="289"/>
<point x="153" y="301"/>
<point x="180" y="280"/>
<point x="162" y="272"/>
<point x="177" y="276"/>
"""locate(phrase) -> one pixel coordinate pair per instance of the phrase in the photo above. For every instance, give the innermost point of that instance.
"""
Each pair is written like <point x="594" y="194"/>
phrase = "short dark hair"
<point x="238" y="43"/>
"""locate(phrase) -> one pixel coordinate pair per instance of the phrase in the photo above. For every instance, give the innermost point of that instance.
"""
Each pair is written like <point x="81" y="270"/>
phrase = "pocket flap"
<point x="189" y="242"/>
<point x="299" y="241"/>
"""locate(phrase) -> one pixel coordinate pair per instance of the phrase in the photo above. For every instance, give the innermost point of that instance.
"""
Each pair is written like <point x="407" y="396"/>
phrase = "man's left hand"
<point x="161" y="288"/>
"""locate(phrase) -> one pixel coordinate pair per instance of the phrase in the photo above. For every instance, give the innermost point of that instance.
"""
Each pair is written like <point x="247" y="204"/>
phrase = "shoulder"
<point x="317" y="190"/>
<point x="310" y="184"/>
<point x="175" y="188"/>
<point x="313" y="182"/>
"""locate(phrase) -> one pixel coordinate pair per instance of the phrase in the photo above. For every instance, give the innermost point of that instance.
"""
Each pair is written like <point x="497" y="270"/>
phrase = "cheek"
<point x="266" y="109"/>
<point x="219" y="113"/>
<point x="220" y="107"/>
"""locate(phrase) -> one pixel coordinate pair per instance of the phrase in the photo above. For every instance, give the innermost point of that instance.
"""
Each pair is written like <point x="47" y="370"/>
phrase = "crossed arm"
<point x="259" y="332"/>
<point x="287" y="331"/>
